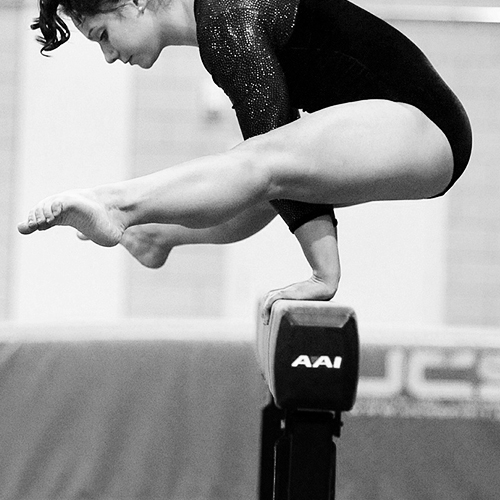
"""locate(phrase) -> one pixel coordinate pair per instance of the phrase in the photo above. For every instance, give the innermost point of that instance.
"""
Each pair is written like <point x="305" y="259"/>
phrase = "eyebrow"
<point x="90" y="33"/>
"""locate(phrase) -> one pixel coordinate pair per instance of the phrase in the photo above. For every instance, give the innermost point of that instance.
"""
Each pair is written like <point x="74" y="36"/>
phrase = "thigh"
<point x="359" y="152"/>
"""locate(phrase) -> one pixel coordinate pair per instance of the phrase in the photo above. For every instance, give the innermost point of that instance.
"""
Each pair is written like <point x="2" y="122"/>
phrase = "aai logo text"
<point x="317" y="362"/>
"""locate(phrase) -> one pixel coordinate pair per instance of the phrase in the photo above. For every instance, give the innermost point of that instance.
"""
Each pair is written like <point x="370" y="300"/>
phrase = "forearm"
<point x="318" y="240"/>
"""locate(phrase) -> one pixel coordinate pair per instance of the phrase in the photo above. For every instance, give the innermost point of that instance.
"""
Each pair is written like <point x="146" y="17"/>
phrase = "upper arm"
<point x="237" y="50"/>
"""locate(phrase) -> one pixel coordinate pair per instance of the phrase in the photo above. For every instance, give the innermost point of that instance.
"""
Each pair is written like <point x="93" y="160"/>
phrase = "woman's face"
<point x="128" y="33"/>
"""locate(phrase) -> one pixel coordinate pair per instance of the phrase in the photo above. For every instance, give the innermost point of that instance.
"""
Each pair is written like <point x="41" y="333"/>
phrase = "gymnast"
<point x="378" y="123"/>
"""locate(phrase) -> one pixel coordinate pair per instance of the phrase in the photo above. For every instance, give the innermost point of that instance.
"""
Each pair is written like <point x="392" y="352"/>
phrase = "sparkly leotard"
<point x="274" y="57"/>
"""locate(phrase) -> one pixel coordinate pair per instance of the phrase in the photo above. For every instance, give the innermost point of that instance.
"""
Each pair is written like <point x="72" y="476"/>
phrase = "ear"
<point x="141" y="5"/>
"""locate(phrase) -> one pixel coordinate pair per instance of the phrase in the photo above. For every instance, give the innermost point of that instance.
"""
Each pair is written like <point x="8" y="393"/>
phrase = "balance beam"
<point x="309" y="356"/>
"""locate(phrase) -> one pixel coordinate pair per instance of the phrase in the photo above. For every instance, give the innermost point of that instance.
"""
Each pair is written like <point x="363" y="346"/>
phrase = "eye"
<point x="104" y="36"/>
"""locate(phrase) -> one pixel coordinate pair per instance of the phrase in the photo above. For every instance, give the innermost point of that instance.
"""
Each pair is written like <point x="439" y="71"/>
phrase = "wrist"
<point x="318" y="239"/>
<point x="327" y="278"/>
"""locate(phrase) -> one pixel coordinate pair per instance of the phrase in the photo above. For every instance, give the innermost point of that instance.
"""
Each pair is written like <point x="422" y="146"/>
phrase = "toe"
<point x="40" y="218"/>
<point x="56" y="208"/>
<point x="32" y="224"/>
<point x="47" y="213"/>
<point x="82" y="236"/>
<point x="28" y="226"/>
<point x="24" y="228"/>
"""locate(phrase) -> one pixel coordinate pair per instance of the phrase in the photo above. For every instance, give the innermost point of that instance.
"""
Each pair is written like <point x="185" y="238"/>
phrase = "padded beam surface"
<point x="309" y="355"/>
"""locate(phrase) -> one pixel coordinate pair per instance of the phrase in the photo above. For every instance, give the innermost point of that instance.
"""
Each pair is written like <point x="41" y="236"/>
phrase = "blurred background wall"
<point x="71" y="121"/>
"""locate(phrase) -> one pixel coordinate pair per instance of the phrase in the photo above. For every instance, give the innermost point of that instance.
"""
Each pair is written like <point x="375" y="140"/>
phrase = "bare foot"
<point x="150" y="244"/>
<point x="84" y="210"/>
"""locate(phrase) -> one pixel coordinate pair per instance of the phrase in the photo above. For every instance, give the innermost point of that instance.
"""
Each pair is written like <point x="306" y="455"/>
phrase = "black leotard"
<point x="273" y="57"/>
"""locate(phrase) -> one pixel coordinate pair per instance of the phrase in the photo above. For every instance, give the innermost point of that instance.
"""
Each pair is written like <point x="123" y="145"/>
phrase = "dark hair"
<point x="54" y="30"/>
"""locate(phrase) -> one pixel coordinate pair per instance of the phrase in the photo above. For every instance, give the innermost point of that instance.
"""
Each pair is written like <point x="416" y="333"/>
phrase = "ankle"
<point x="114" y="198"/>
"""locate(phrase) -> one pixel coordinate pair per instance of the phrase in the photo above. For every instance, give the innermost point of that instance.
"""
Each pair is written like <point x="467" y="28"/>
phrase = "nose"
<point x="110" y="54"/>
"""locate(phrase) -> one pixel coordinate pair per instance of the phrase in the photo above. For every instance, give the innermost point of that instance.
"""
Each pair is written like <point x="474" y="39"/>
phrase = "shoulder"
<point x="230" y="32"/>
<point x="243" y="26"/>
<point x="219" y="7"/>
<point x="214" y="16"/>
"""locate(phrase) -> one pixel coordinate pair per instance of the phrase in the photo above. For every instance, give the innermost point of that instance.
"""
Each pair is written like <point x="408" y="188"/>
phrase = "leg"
<point x="348" y="154"/>
<point x="355" y="153"/>
<point x="198" y="194"/>
<point x="151" y="244"/>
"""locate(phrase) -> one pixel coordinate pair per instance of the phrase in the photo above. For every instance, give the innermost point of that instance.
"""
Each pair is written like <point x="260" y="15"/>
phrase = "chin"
<point x="147" y="63"/>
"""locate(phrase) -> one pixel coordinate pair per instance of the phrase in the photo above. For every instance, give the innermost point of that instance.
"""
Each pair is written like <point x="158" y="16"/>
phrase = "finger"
<point x="270" y="299"/>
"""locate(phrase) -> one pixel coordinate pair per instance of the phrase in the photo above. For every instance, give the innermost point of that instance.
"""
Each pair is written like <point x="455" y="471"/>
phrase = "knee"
<point x="258" y="160"/>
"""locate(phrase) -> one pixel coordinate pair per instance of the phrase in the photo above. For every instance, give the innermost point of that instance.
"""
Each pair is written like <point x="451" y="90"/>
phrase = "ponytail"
<point x="54" y="30"/>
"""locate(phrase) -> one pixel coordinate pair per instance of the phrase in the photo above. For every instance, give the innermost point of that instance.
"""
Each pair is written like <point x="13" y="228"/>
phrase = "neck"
<point x="179" y="23"/>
